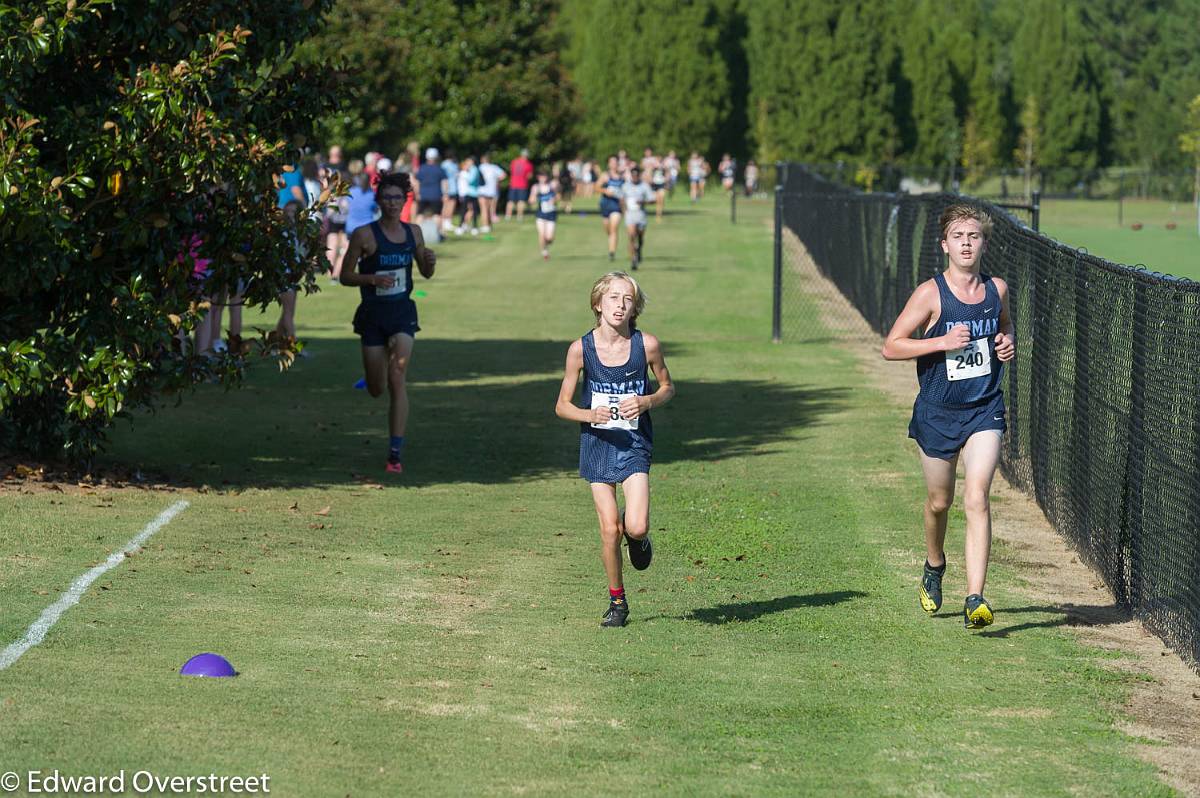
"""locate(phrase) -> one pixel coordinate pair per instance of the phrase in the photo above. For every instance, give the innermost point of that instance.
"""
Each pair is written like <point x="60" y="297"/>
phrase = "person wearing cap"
<point x="519" y="173"/>
<point x="371" y="167"/>
<point x="383" y="165"/>
<point x="431" y="187"/>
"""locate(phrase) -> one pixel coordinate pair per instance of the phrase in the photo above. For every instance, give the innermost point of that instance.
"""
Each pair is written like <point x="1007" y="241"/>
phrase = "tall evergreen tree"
<point x="469" y="75"/>
<point x="929" y="125"/>
<point x="1145" y="51"/>
<point x="820" y="80"/>
<point x="1054" y="66"/>
<point x="650" y="74"/>
<point x="984" y="127"/>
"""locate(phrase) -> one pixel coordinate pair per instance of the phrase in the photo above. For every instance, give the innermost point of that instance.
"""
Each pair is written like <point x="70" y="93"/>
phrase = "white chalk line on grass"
<point x="37" y="630"/>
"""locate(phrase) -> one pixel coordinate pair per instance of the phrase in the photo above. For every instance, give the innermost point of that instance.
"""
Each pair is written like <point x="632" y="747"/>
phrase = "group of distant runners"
<point x="956" y="326"/>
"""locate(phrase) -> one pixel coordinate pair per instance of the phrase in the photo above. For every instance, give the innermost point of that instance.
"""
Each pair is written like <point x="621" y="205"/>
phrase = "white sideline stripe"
<point x="37" y="630"/>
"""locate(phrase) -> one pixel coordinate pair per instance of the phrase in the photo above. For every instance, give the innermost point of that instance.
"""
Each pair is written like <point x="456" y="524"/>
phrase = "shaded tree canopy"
<point x="471" y="75"/>
<point x="136" y="139"/>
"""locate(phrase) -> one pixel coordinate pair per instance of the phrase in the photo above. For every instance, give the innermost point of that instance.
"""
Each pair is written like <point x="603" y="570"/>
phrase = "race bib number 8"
<point x="973" y="360"/>
<point x="398" y="284"/>
<point x="610" y="402"/>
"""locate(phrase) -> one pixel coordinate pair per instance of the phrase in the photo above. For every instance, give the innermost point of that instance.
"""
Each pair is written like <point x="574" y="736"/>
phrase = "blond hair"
<point x="601" y="286"/>
<point x="961" y="212"/>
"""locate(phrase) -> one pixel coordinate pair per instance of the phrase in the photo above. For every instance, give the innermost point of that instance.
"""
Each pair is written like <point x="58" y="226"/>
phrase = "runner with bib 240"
<point x="958" y="329"/>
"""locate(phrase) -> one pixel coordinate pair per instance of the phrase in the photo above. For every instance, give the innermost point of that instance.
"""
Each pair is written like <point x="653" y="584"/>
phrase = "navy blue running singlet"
<point x="967" y="377"/>
<point x="393" y="258"/>
<point x="613" y="455"/>
<point x="546" y="208"/>
<point x="610" y="205"/>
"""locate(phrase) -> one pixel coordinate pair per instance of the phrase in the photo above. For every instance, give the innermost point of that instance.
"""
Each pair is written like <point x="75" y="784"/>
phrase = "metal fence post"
<point x="777" y="298"/>
<point x="1037" y="211"/>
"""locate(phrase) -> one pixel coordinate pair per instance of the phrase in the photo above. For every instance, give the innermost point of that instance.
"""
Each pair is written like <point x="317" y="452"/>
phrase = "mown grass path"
<point x="439" y="635"/>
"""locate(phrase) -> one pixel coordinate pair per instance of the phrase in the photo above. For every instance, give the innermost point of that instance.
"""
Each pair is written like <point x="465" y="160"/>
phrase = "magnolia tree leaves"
<point x="136" y="140"/>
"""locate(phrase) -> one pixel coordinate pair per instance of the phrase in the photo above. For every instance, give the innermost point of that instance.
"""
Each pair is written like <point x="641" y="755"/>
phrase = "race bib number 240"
<point x="973" y="360"/>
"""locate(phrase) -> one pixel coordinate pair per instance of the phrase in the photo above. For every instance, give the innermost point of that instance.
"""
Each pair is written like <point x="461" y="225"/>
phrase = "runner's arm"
<point x="1006" y="341"/>
<point x="426" y="258"/>
<point x="354" y="252"/>
<point x="634" y="406"/>
<point x="902" y="342"/>
<point x="565" y="407"/>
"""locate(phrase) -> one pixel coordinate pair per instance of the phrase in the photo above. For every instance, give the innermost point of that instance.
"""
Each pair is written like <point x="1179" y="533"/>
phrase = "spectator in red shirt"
<point x="519" y="173"/>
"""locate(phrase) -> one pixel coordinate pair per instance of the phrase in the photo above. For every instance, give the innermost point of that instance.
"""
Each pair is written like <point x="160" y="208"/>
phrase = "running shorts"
<point x="941" y="431"/>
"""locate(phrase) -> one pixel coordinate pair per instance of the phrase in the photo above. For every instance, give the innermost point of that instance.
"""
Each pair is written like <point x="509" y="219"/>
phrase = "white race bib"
<point x="633" y="203"/>
<point x="398" y="284"/>
<point x="973" y="360"/>
<point x="547" y="205"/>
<point x="611" y="401"/>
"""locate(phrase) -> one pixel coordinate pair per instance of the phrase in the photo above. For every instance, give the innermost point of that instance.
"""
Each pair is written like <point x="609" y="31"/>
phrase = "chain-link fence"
<point x="1103" y="396"/>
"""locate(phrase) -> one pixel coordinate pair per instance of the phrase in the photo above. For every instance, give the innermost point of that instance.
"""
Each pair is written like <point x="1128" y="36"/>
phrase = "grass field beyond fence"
<point x="1107" y="230"/>
<point x="438" y="634"/>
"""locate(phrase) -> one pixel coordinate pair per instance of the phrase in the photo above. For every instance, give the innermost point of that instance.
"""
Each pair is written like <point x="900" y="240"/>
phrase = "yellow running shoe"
<point x="931" y="588"/>
<point x="977" y="613"/>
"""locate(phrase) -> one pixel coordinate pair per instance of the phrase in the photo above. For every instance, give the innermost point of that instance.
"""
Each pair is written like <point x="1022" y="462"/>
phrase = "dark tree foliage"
<point x="131" y="130"/>
<point x="469" y="75"/>
<point x="1054" y="65"/>
<point x="822" y="79"/>
<point x="922" y="82"/>
<point x="1145" y="51"/>
<point x="651" y="74"/>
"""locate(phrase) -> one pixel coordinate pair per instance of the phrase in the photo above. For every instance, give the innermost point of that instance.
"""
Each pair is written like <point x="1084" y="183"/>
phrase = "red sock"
<point x="616" y="592"/>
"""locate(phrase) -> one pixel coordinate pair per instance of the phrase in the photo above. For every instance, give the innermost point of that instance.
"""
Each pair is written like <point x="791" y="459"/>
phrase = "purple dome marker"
<point x="207" y="665"/>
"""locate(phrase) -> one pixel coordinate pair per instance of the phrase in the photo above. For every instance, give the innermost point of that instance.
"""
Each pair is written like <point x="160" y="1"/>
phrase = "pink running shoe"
<point x="394" y="467"/>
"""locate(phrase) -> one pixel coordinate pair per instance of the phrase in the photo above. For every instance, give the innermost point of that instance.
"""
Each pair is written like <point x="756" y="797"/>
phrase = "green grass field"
<point x="1093" y="225"/>
<point x="438" y="634"/>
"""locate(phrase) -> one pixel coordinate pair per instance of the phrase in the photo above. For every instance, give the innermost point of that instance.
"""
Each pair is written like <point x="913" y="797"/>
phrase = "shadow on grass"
<point x="482" y="412"/>
<point x="1064" y="615"/>
<point x="750" y="610"/>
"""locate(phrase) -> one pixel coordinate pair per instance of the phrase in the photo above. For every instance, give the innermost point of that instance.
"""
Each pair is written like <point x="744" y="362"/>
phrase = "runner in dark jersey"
<point x="615" y="360"/>
<point x="958" y="329"/>
<point x="544" y="196"/>
<point x="611" y="182"/>
<point x="379" y="263"/>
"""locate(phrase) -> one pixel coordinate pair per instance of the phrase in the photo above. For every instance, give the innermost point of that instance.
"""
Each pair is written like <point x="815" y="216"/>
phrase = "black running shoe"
<point x="640" y="552"/>
<point x="618" y="613"/>
<point x="612" y="256"/>
<point x="977" y="613"/>
<point x="633" y="264"/>
<point x="931" y="588"/>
